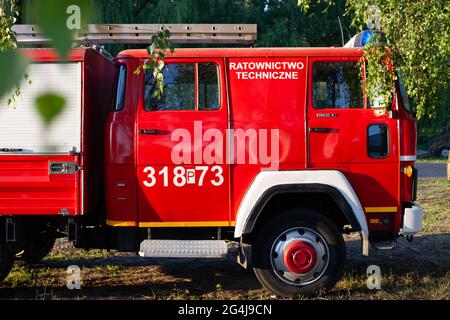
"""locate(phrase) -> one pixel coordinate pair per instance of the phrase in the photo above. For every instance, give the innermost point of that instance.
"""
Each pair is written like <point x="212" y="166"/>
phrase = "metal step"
<point x="183" y="248"/>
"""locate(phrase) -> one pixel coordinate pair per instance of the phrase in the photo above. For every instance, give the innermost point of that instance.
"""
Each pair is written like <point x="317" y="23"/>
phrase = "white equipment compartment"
<point x="21" y="126"/>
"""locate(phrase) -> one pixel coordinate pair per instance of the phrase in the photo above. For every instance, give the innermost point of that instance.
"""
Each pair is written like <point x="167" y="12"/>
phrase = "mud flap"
<point x="241" y="257"/>
<point x="10" y="228"/>
<point x="365" y="244"/>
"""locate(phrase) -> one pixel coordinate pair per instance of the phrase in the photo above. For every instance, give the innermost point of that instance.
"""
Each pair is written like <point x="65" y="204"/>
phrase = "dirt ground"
<point x="417" y="270"/>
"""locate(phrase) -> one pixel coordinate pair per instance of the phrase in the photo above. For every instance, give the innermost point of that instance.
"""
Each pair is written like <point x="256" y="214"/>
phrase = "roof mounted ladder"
<point x="141" y="33"/>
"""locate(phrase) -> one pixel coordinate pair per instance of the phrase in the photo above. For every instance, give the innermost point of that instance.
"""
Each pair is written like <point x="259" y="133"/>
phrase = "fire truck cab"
<point x="277" y="148"/>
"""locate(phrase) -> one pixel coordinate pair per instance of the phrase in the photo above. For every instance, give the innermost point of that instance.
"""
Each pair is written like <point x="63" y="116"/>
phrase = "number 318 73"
<point x="180" y="176"/>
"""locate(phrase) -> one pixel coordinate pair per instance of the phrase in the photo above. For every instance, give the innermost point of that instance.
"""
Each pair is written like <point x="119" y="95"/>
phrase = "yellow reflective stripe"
<point x="186" y="224"/>
<point x="380" y="209"/>
<point x="171" y="224"/>
<point x="121" y="223"/>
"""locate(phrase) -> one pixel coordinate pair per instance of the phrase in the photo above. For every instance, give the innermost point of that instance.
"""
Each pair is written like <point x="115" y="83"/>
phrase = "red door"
<point x="183" y="179"/>
<point x="346" y="133"/>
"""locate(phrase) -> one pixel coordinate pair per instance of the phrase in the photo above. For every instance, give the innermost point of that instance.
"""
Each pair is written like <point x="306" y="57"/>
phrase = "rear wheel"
<point x="6" y="258"/>
<point x="298" y="252"/>
<point x="37" y="249"/>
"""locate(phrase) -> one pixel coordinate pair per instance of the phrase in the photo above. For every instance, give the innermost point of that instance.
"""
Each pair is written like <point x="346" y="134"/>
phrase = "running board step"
<point x="183" y="248"/>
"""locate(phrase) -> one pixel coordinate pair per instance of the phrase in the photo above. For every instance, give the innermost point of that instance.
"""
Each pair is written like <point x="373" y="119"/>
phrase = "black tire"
<point x="272" y="234"/>
<point x="37" y="250"/>
<point x="6" y="258"/>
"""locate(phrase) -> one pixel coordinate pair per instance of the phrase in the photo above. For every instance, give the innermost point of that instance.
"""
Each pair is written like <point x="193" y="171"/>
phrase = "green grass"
<point x="22" y="275"/>
<point x="75" y="254"/>
<point x="410" y="285"/>
<point x="434" y="197"/>
<point x="432" y="160"/>
<point x="419" y="270"/>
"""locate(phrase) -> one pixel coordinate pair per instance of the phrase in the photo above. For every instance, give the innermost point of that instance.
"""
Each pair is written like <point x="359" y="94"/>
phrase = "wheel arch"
<point x="270" y="184"/>
<point x="288" y="191"/>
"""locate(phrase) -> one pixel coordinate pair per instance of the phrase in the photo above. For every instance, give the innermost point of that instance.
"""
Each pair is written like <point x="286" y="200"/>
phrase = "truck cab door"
<point x="183" y="179"/>
<point x="349" y="133"/>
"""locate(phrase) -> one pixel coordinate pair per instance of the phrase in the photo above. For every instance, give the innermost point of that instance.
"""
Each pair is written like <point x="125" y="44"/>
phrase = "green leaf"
<point x="49" y="106"/>
<point x="166" y="33"/>
<point x="151" y="49"/>
<point x="150" y="64"/>
<point x="13" y="67"/>
<point x="137" y="71"/>
<point x="52" y="19"/>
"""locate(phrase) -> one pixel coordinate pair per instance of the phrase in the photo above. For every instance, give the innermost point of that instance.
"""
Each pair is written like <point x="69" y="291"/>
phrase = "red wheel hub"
<point x="300" y="257"/>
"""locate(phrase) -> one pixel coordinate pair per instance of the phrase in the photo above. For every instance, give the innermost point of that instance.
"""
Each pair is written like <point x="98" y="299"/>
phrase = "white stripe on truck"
<point x="407" y="158"/>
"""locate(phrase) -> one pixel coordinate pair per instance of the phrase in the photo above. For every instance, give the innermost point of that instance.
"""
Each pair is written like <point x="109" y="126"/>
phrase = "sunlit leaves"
<point x="7" y="19"/>
<point x="417" y="43"/>
<point x="418" y="35"/>
<point x="50" y="105"/>
<point x="12" y="67"/>
<point x="157" y="52"/>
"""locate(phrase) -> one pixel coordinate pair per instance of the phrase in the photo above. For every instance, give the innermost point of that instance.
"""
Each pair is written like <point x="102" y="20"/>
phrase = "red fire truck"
<point x="277" y="148"/>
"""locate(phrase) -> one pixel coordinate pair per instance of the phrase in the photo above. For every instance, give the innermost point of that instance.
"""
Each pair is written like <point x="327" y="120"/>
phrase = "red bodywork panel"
<point x="118" y="155"/>
<point x="283" y="104"/>
<point x="27" y="187"/>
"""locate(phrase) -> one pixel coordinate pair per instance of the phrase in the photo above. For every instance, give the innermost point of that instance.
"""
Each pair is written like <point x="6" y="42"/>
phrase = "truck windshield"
<point x="403" y="93"/>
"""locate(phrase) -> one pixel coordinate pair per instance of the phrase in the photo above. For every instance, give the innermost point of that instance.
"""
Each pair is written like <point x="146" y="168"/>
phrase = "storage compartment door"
<point x="38" y="163"/>
<point x="21" y="126"/>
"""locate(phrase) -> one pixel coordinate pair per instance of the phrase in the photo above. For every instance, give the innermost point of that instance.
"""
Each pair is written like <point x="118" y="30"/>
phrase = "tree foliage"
<point x="10" y="64"/>
<point x="157" y="52"/>
<point x="415" y="37"/>
<point x="280" y="22"/>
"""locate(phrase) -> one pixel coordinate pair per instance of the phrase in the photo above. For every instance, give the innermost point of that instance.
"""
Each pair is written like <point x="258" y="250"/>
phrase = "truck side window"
<point x="377" y="141"/>
<point x="208" y="86"/>
<point x="337" y="85"/>
<point x="179" y="88"/>
<point x="121" y="79"/>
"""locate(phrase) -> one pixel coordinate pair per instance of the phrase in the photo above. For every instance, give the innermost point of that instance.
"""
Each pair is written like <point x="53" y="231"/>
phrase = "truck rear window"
<point x="378" y="141"/>
<point x="208" y="86"/>
<point x="337" y="85"/>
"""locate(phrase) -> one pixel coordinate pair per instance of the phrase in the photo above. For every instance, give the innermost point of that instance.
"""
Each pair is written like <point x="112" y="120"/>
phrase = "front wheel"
<point x="298" y="252"/>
